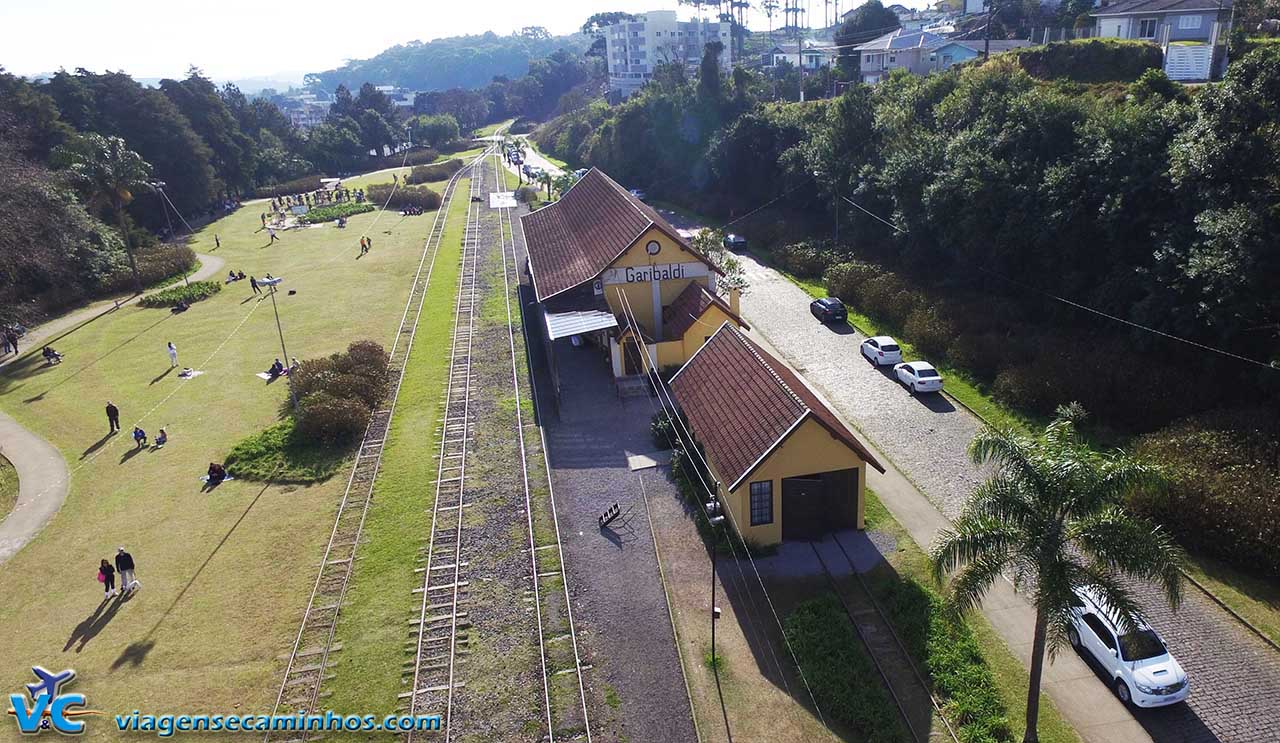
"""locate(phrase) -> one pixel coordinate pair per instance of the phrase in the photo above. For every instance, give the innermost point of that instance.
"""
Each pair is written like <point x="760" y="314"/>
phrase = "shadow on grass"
<point x="279" y="454"/>
<point x="98" y="444"/>
<point x="91" y="625"/>
<point x="22" y="368"/>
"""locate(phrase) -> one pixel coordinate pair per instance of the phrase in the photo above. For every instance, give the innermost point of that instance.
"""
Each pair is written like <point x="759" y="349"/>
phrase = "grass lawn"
<point x="8" y="486"/>
<point x="1255" y="599"/>
<point x="373" y="628"/>
<point x="909" y="561"/>
<point x="225" y="574"/>
<point x="486" y="131"/>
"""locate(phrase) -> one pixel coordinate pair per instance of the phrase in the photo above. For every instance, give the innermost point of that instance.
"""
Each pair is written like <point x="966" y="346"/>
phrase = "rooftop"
<point x="900" y="39"/>
<point x="743" y="403"/>
<point x="687" y="308"/>
<point x="1125" y="7"/>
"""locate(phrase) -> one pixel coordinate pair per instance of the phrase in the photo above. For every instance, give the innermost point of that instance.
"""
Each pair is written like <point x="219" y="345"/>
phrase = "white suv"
<point x="1141" y="670"/>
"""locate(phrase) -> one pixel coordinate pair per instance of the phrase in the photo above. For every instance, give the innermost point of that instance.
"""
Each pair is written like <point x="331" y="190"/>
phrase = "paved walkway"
<point x="1235" y="677"/>
<point x="43" y="477"/>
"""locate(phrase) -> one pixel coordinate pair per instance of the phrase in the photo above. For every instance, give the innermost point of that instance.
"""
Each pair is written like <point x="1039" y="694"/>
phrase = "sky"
<point x="239" y="39"/>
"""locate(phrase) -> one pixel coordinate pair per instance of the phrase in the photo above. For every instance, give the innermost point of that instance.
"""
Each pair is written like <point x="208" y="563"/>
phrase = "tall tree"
<point x="233" y="150"/>
<point x="1051" y="516"/>
<point x="109" y="173"/>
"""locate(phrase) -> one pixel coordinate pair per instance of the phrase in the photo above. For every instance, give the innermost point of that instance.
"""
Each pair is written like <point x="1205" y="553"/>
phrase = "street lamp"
<point x="293" y="395"/>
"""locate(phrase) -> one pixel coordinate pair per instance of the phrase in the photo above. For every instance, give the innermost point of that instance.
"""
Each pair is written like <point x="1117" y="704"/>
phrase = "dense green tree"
<point x="866" y="22"/>
<point x="335" y="147"/>
<point x="109" y="174"/>
<point x="434" y="130"/>
<point x="233" y="151"/>
<point x="29" y="117"/>
<point x="1050" y="515"/>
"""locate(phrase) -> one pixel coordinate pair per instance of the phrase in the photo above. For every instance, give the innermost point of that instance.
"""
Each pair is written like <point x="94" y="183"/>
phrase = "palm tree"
<point x="1050" y="514"/>
<point x="770" y="7"/>
<point x="546" y="179"/>
<point x="109" y="172"/>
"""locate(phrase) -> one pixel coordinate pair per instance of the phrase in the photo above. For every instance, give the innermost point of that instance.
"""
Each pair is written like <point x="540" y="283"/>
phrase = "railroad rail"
<point x="309" y="659"/>
<point x="898" y="656"/>
<point x="564" y="718"/>
<point x="441" y="624"/>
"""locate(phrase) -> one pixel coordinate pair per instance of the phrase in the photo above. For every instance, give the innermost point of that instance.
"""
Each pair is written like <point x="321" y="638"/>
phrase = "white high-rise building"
<point x="635" y="48"/>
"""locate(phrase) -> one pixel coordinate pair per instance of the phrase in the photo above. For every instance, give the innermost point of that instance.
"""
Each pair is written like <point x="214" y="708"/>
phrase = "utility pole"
<point x="293" y="395"/>
<point x="986" y="44"/>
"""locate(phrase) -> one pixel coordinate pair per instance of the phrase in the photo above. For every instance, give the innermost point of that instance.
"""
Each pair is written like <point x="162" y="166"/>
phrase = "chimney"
<point x="733" y="301"/>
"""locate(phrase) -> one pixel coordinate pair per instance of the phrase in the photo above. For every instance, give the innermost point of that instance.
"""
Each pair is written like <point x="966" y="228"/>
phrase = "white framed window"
<point x="1147" y="28"/>
<point x="762" y="502"/>
<point x="1186" y="22"/>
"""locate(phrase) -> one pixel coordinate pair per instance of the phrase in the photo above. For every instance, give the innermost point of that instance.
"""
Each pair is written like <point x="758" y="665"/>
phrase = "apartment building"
<point x="635" y="48"/>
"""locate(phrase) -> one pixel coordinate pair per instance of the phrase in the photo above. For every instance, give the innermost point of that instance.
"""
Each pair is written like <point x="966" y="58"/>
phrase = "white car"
<point x="1141" y="670"/>
<point x="918" y="376"/>
<point x="882" y="350"/>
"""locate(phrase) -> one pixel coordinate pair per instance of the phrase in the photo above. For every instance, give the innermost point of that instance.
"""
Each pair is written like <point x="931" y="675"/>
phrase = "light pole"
<point x="293" y="395"/>
<point x="159" y="188"/>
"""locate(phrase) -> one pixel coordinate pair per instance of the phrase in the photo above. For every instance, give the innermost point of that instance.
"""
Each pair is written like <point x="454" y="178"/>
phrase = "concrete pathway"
<point x="43" y="477"/>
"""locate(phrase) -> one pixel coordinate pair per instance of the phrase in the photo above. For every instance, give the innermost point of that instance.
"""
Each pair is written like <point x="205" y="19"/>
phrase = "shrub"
<point x="808" y="259"/>
<point x="846" y="281"/>
<point x="1090" y="60"/>
<point x="281" y="454"/>
<point x="420" y="196"/>
<point x="193" y="292"/>
<point x="157" y="265"/>
<point x="839" y="672"/>
<point x="305" y="184"/>
<point x="326" y="419"/>
<point x="436" y="172"/>
<point x="337" y="393"/>
<point x="1224" y="473"/>
<point x="929" y="331"/>
<point x="527" y="194"/>
<point x="981" y="354"/>
<point x="1024" y="387"/>
<point x="333" y="211"/>
<point x="420" y="156"/>
<point x="662" y="431"/>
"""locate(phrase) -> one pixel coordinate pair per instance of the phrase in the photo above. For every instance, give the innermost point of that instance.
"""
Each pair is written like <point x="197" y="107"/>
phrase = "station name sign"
<point x="658" y="272"/>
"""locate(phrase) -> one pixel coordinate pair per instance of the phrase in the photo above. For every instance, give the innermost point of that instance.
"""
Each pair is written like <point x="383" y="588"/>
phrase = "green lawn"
<point x="8" y="486"/>
<point x="1010" y="675"/>
<point x="373" y="628"/>
<point x="486" y="131"/>
<point x="1254" y="598"/>
<point x="225" y="574"/>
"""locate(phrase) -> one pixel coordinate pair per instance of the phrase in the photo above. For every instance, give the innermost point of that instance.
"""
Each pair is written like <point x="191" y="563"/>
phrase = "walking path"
<point x="43" y="477"/>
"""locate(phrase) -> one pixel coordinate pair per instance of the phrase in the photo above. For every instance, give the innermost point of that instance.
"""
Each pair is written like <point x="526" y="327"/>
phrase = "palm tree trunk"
<point x="128" y="249"/>
<point x="1033" y="687"/>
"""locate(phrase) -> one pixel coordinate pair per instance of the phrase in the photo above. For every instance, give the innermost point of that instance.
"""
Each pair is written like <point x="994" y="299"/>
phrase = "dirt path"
<point x="43" y="476"/>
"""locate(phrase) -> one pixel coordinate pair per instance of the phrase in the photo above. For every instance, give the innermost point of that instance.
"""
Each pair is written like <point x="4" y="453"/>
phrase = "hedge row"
<point x="193" y="292"/>
<point x="333" y="211"/>
<point x="1090" y="60"/>
<point x="305" y="184"/>
<point x="156" y="263"/>
<point x="420" y="196"/>
<point x="419" y="156"/>
<point x="1224" y="473"/>
<point x="941" y="641"/>
<point x="435" y="172"/>
<point x="839" y="672"/>
<point x="337" y="393"/>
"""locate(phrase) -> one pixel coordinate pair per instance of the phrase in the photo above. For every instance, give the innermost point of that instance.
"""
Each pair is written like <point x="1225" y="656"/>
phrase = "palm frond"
<point x="1124" y="543"/>
<point x="970" y="539"/>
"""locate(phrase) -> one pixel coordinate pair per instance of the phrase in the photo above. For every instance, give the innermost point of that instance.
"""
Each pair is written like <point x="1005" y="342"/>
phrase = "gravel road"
<point x="1235" y="676"/>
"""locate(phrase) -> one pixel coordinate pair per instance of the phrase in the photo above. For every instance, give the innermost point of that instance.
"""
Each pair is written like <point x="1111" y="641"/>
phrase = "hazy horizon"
<point x="235" y="40"/>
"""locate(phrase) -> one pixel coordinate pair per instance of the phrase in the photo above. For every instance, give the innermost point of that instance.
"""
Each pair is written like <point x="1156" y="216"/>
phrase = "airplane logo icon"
<point x="50" y="683"/>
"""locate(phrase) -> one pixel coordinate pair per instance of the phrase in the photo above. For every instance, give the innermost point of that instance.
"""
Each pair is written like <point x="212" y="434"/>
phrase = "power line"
<point x="1132" y="324"/>
<point x="873" y="215"/>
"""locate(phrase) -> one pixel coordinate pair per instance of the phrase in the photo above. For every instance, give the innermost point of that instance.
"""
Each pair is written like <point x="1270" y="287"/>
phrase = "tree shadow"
<point x="136" y="652"/>
<point x="91" y="363"/>
<point x="161" y="375"/>
<point x="91" y="625"/>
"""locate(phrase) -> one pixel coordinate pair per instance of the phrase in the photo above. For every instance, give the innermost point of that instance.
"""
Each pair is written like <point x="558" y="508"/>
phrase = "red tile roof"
<point x="687" y="308"/>
<point x="573" y="240"/>
<point x="742" y="403"/>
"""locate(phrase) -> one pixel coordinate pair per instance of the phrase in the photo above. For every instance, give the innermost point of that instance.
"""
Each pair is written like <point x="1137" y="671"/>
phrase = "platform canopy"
<point x="576" y="322"/>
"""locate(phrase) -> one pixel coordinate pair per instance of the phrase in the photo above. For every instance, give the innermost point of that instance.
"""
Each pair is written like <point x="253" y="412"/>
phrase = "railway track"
<point x="907" y="686"/>
<point x="440" y="629"/>
<point x="309" y="659"/>
<point x="559" y="654"/>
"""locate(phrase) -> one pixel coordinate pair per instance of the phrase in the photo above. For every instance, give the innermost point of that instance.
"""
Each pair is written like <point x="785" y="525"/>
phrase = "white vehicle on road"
<point x="1141" y="670"/>
<point x="882" y="350"/>
<point x="918" y="376"/>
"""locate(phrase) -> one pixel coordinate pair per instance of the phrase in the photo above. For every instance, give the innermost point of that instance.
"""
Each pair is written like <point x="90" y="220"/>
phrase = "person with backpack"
<point x="124" y="566"/>
<point x="107" y="577"/>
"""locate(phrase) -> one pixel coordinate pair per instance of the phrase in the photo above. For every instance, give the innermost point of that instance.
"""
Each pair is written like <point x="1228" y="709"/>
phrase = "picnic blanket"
<point x="205" y="478"/>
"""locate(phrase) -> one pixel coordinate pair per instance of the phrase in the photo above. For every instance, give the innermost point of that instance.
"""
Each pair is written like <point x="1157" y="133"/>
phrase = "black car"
<point x="735" y="242"/>
<point x="829" y="309"/>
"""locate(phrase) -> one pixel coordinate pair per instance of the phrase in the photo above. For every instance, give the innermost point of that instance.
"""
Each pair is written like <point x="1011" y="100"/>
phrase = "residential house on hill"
<point x="1192" y="33"/>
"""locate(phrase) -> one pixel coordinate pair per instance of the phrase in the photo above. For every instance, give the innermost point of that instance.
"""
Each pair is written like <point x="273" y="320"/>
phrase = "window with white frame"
<point x="1147" y="28"/>
<point x="762" y="502"/>
<point x="1189" y="22"/>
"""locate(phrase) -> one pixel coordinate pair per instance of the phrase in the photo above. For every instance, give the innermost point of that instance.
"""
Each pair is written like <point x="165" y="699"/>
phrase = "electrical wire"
<point x="874" y="216"/>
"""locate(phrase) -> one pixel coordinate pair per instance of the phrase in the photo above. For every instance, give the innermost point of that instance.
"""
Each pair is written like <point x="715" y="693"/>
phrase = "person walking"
<point x="264" y="219"/>
<point x="124" y="566"/>
<point x="113" y="417"/>
<point x="12" y="339"/>
<point x="364" y="245"/>
<point x="4" y="336"/>
<point x="368" y="244"/>
<point x="107" y="577"/>
<point x="253" y="282"/>
<point x="273" y="235"/>
<point x="173" y="355"/>
<point x="216" y="242"/>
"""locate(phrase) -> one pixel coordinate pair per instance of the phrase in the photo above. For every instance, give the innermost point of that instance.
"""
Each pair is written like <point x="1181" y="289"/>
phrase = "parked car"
<point x="638" y="193"/>
<point x="829" y="309"/>
<point x="918" y="376"/>
<point x="881" y="350"/>
<point x="1141" y="669"/>
<point x="735" y="242"/>
<point x="579" y="172"/>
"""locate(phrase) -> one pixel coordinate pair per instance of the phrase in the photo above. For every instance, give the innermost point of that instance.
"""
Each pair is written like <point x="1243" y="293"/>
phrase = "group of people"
<point x="125" y="566"/>
<point x="140" y="438"/>
<point x="9" y="336"/>
<point x="318" y="197"/>
<point x="235" y="276"/>
<point x="51" y="356"/>
<point x="366" y="244"/>
<point x="278" y="368"/>
<point x="412" y="211"/>
<point x="217" y="473"/>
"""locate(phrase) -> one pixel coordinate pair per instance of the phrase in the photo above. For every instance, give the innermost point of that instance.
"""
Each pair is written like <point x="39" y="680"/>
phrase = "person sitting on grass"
<point x="139" y="437"/>
<point x="217" y="473"/>
<point x="231" y="276"/>
<point x="51" y="356"/>
<point x="240" y="276"/>
<point x="162" y="438"/>
<point x="276" y="369"/>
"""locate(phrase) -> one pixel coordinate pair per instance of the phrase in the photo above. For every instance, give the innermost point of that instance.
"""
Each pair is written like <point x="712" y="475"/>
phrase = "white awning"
<point x="565" y="324"/>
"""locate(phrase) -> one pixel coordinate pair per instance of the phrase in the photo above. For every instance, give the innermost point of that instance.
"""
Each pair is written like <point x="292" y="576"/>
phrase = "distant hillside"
<point x="455" y="62"/>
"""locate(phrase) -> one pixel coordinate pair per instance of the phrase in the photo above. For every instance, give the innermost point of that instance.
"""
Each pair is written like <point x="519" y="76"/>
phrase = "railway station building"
<point x="785" y="466"/>
<point x="610" y="271"/>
